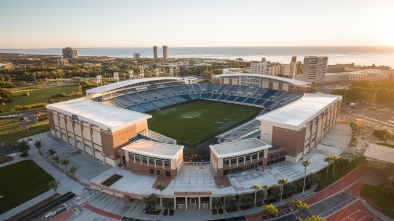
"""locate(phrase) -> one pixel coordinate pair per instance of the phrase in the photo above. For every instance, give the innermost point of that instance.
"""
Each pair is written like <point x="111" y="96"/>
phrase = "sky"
<point x="198" y="23"/>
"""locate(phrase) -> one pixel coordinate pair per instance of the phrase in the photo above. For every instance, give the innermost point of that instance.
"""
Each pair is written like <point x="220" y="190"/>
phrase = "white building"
<point x="314" y="68"/>
<point x="369" y="74"/>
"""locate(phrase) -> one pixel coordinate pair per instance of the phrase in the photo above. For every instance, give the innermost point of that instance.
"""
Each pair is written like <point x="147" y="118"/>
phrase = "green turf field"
<point x="195" y="121"/>
<point x="21" y="182"/>
<point x="40" y="94"/>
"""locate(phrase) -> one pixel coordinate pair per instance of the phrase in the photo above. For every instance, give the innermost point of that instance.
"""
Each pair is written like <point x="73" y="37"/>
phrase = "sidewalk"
<point x="66" y="184"/>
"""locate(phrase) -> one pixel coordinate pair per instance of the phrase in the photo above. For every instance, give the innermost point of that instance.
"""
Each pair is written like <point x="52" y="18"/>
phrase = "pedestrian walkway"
<point x="101" y="212"/>
<point x="66" y="184"/>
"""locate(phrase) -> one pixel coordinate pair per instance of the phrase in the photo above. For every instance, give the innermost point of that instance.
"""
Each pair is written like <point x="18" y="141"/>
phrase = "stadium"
<point x="161" y="129"/>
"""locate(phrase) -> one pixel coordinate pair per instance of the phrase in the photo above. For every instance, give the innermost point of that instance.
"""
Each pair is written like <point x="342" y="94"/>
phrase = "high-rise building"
<point x="290" y="70"/>
<point x="69" y="53"/>
<point x="137" y="56"/>
<point x="155" y="52"/>
<point x="165" y="52"/>
<point x="314" y="68"/>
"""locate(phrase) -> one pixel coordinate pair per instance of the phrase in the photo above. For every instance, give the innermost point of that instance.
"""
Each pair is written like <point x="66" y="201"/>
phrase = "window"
<point x="145" y="159"/>
<point x="254" y="156"/>
<point x="159" y="162"/>
<point x="247" y="158"/>
<point x="233" y="161"/>
<point x="158" y="172"/>
<point x="226" y="161"/>
<point x="240" y="159"/>
<point x="151" y="171"/>
<point x="261" y="154"/>
<point x="167" y="163"/>
<point x="168" y="173"/>
<point x="151" y="161"/>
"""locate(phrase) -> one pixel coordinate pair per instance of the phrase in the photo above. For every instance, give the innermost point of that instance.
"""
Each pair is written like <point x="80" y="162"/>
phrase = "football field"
<point x="194" y="121"/>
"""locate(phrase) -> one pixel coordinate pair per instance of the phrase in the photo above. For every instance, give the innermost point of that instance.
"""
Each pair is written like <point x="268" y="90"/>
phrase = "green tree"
<point x="57" y="161"/>
<point x="270" y="210"/>
<point x="265" y="187"/>
<point x="329" y="161"/>
<point x="150" y="202"/>
<point x="387" y="189"/>
<point x="275" y="190"/>
<point x="51" y="153"/>
<point x="38" y="145"/>
<point x="282" y="181"/>
<point x="313" y="178"/>
<point x="216" y="203"/>
<point x="22" y="146"/>
<point x="73" y="169"/>
<point x="256" y="188"/>
<point x="25" y="155"/>
<point x="230" y="202"/>
<point x="53" y="185"/>
<point x="305" y="163"/>
<point x="65" y="163"/>
<point x="161" y="187"/>
<point x="246" y="199"/>
<point x="334" y="159"/>
<point x="168" y="204"/>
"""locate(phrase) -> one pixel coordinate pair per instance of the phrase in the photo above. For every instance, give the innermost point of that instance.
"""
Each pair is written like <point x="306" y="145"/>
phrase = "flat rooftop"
<point x="288" y="80"/>
<point x="118" y="85"/>
<point x="237" y="148"/>
<point x="154" y="149"/>
<point x="104" y="116"/>
<point x="381" y="153"/>
<point x="301" y="111"/>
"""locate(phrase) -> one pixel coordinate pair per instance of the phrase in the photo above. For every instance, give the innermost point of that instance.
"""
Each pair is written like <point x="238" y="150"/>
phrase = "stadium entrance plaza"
<point x="191" y="178"/>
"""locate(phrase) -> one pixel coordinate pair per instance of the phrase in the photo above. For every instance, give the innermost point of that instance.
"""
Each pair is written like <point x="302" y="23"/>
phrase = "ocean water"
<point x="337" y="55"/>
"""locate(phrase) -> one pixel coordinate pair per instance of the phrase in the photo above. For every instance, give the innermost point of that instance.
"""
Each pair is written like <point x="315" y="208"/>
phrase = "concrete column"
<point x="210" y="202"/>
<point x="174" y="203"/>
<point x="65" y="127"/>
<point x="199" y="203"/>
<point x="186" y="203"/>
<point x="75" y="139"/>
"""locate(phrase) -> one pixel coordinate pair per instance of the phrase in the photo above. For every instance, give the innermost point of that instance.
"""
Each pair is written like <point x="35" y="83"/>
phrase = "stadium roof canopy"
<point x="287" y="80"/>
<point x="238" y="148"/>
<point x="154" y="149"/>
<point x="380" y="153"/>
<point x="122" y="84"/>
<point x="297" y="114"/>
<point x="104" y="116"/>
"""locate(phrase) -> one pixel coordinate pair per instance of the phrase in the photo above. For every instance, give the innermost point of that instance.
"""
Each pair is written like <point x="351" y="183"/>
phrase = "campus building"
<point x="69" y="53"/>
<point x="153" y="158"/>
<point x="314" y="68"/>
<point x="238" y="156"/>
<point x="263" y="81"/>
<point x="300" y="126"/>
<point x="96" y="129"/>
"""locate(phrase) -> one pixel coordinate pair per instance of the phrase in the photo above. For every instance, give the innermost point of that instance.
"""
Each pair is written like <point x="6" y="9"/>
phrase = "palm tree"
<point x="328" y="160"/>
<point x="57" y="161"/>
<point x="168" y="203"/>
<point x="150" y="201"/>
<point x="73" y="169"/>
<point x="51" y="153"/>
<point x="65" y="163"/>
<point x="256" y="188"/>
<point x="53" y="184"/>
<point x="246" y="198"/>
<point x="305" y="163"/>
<point x="265" y="187"/>
<point x="275" y="189"/>
<point x="270" y="210"/>
<point x="216" y="203"/>
<point x="282" y="181"/>
<point x="334" y="159"/>
<point x="161" y="187"/>
<point x="38" y="145"/>
<point x="229" y="202"/>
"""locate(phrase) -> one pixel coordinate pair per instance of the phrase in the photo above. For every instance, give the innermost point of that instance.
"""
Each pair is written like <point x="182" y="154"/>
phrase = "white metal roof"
<point x="238" y="148"/>
<point x="288" y="80"/>
<point x="104" y="116"/>
<point x="300" y="112"/>
<point x="380" y="153"/>
<point x="117" y="85"/>
<point x="154" y="149"/>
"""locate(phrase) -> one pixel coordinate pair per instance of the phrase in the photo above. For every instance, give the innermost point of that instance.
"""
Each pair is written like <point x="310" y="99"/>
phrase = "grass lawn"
<point x="21" y="182"/>
<point x="12" y="129"/>
<point x="376" y="194"/>
<point x="38" y="95"/>
<point x="194" y="121"/>
<point x="340" y="171"/>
